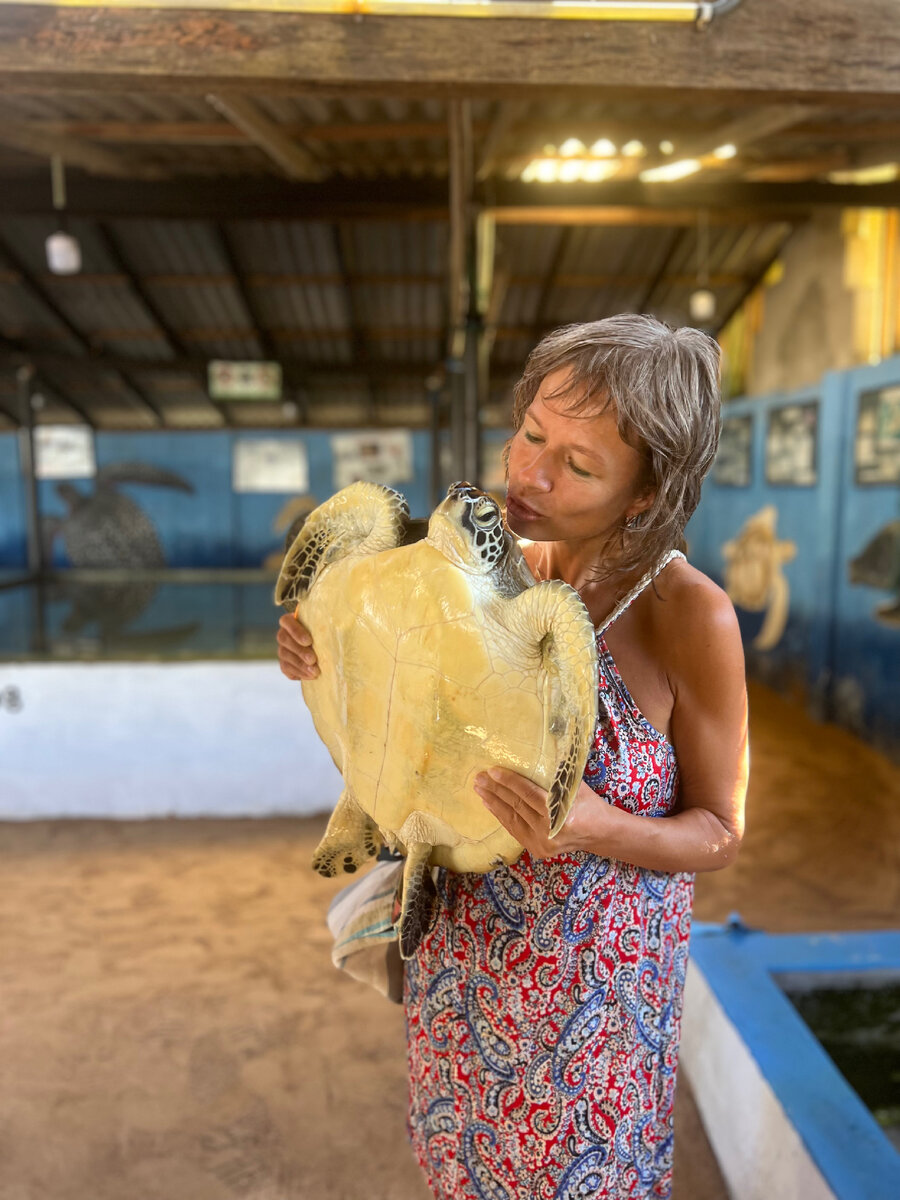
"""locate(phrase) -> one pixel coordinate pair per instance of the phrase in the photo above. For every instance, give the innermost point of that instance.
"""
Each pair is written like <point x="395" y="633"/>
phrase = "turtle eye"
<point x="485" y="513"/>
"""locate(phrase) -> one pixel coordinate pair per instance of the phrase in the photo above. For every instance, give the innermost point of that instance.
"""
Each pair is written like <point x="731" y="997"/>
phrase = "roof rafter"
<point x="40" y="294"/>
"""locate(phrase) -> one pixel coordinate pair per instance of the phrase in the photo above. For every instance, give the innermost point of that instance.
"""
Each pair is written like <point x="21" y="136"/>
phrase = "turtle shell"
<point x="429" y="675"/>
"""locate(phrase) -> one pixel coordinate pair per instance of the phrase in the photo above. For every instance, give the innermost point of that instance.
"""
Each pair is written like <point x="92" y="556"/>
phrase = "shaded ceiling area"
<point x="320" y="227"/>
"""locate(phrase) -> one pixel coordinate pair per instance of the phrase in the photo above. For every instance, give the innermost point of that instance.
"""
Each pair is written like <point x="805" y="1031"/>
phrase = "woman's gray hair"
<point x="664" y="386"/>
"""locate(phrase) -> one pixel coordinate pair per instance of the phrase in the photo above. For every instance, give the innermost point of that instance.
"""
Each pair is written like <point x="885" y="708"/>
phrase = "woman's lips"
<point x="521" y="510"/>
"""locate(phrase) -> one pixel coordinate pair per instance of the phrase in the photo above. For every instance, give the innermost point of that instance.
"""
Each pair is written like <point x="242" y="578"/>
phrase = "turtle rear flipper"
<point x="555" y="616"/>
<point x="419" y="899"/>
<point x="364" y="518"/>
<point x="352" y="837"/>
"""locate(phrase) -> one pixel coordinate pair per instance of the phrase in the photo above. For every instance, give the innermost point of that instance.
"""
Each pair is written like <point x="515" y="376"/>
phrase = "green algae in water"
<point x="859" y="1027"/>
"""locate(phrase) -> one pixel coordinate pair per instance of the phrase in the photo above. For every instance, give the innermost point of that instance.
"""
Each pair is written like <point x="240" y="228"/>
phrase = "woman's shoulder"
<point x="689" y="609"/>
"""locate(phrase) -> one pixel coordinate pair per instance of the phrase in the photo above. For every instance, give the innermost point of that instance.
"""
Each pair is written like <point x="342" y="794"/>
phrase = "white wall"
<point x="807" y="324"/>
<point x="758" y="1149"/>
<point x="147" y="740"/>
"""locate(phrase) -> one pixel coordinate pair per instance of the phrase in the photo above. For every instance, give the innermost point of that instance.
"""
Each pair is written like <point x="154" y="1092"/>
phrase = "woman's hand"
<point x="296" y="656"/>
<point x="521" y="808"/>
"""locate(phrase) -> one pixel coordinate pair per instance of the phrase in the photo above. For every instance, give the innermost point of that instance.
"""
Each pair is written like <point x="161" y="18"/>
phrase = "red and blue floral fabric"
<point x="543" y="1008"/>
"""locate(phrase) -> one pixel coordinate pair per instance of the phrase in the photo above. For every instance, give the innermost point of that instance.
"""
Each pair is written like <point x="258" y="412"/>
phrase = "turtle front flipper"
<point x="351" y="838"/>
<point x="364" y="518"/>
<point x="554" y="615"/>
<point x="419" y="898"/>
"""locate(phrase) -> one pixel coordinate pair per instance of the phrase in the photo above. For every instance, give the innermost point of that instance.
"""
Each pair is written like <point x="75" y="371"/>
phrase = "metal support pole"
<point x="456" y="387"/>
<point x="434" y="393"/>
<point x="35" y="545"/>
<point x="473" y="398"/>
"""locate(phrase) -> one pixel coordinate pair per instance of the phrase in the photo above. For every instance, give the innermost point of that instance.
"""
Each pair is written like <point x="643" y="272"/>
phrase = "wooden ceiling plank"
<point x="293" y="160"/>
<point x="73" y="151"/>
<point x="770" y="50"/>
<point x="747" y="129"/>
<point x="337" y="199"/>
<point x="195" y="365"/>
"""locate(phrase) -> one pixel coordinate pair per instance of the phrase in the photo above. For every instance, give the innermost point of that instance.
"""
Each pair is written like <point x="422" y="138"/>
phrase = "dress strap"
<point x="643" y="583"/>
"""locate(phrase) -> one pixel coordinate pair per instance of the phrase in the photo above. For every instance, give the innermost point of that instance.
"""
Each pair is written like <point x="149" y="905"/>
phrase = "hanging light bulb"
<point x="603" y="148"/>
<point x="702" y="305"/>
<point x="62" y="248"/>
<point x="634" y="149"/>
<point x="571" y="147"/>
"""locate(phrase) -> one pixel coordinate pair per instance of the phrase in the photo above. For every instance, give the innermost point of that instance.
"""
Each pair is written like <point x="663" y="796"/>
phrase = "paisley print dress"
<point x="543" y="1009"/>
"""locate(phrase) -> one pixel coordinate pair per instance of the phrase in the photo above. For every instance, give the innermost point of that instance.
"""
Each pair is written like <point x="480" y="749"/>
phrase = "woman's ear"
<point x="641" y="504"/>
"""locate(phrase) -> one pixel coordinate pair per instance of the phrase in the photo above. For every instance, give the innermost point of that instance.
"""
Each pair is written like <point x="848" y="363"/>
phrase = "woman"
<point x="543" y="1008"/>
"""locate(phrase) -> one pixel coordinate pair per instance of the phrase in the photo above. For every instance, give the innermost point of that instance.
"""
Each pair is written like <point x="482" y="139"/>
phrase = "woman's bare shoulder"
<point x="691" y="607"/>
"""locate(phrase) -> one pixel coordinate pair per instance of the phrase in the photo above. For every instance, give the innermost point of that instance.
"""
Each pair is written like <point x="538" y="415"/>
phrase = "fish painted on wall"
<point x="754" y="578"/>
<point x="106" y="530"/>
<point x="878" y="566"/>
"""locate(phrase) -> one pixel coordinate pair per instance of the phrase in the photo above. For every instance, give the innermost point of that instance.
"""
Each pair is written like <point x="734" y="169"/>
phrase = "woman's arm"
<point x="705" y="665"/>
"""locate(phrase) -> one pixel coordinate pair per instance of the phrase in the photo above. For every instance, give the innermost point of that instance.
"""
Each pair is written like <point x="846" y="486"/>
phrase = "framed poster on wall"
<point x="734" y="461"/>
<point x="64" y="452"/>
<point x="270" y="465"/>
<point x="877" y="450"/>
<point x="377" y="457"/>
<point x="791" y="444"/>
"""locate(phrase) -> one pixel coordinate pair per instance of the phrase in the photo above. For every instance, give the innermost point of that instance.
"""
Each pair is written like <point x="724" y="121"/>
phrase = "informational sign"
<point x="877" y="451"/>
<point x="64" y="452"/>
<point x="270" y="465"/>
<point x="244" y="380"/>
<point x="378" y="457"/>
<point x="791" y="439"/>
<point x="735" y="456"/>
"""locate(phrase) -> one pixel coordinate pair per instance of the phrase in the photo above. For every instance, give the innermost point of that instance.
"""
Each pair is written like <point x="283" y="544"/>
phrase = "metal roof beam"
<point x="394" y="199"/>
<point x="38" y="292"/>
<point x="195" y="366"/>
<point x="271" y="138"/>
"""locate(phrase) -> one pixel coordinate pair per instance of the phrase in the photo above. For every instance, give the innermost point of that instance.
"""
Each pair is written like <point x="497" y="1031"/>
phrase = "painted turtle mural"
<point x="105" y="529"/>
<point x="878" y="566"/>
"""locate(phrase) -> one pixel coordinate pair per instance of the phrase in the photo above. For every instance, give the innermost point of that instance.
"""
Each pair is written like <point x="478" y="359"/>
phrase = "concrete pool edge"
<point x="782" y="1120"/>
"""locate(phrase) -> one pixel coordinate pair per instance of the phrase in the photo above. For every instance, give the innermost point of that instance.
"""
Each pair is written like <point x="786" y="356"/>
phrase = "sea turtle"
<point x="439" y="659"/>
<point x="106" y="530"/>
<point x="754" y="578"/>
<point x="878" y="566"/>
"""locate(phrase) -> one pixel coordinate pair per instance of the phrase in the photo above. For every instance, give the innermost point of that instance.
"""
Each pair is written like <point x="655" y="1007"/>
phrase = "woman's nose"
<point x="534" y="472"/>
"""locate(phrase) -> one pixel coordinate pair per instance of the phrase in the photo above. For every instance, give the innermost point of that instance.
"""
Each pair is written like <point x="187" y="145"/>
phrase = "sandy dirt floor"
<point x="171" y="1027"/>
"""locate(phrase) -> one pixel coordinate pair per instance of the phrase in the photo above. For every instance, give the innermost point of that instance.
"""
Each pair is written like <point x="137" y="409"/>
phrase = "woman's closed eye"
<point x="579" y="470"/>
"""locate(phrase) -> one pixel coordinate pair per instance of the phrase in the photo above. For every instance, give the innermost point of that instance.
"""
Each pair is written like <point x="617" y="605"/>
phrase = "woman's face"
<point x="571" y="477"/>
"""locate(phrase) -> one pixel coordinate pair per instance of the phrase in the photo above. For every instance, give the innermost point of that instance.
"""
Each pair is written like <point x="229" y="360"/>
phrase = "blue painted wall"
<point x="212" y="527"/>
<point x="13" y="552"/>
<point x="835" y="649"/>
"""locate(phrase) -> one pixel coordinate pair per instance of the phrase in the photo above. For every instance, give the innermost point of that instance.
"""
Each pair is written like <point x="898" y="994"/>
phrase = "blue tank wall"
<point x="213" y="526"/>
<point x="835" y="650"/>
<point x="13" y="553"/>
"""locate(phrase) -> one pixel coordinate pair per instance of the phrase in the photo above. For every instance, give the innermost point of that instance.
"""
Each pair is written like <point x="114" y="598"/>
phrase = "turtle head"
<point x="467" y="527"/>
